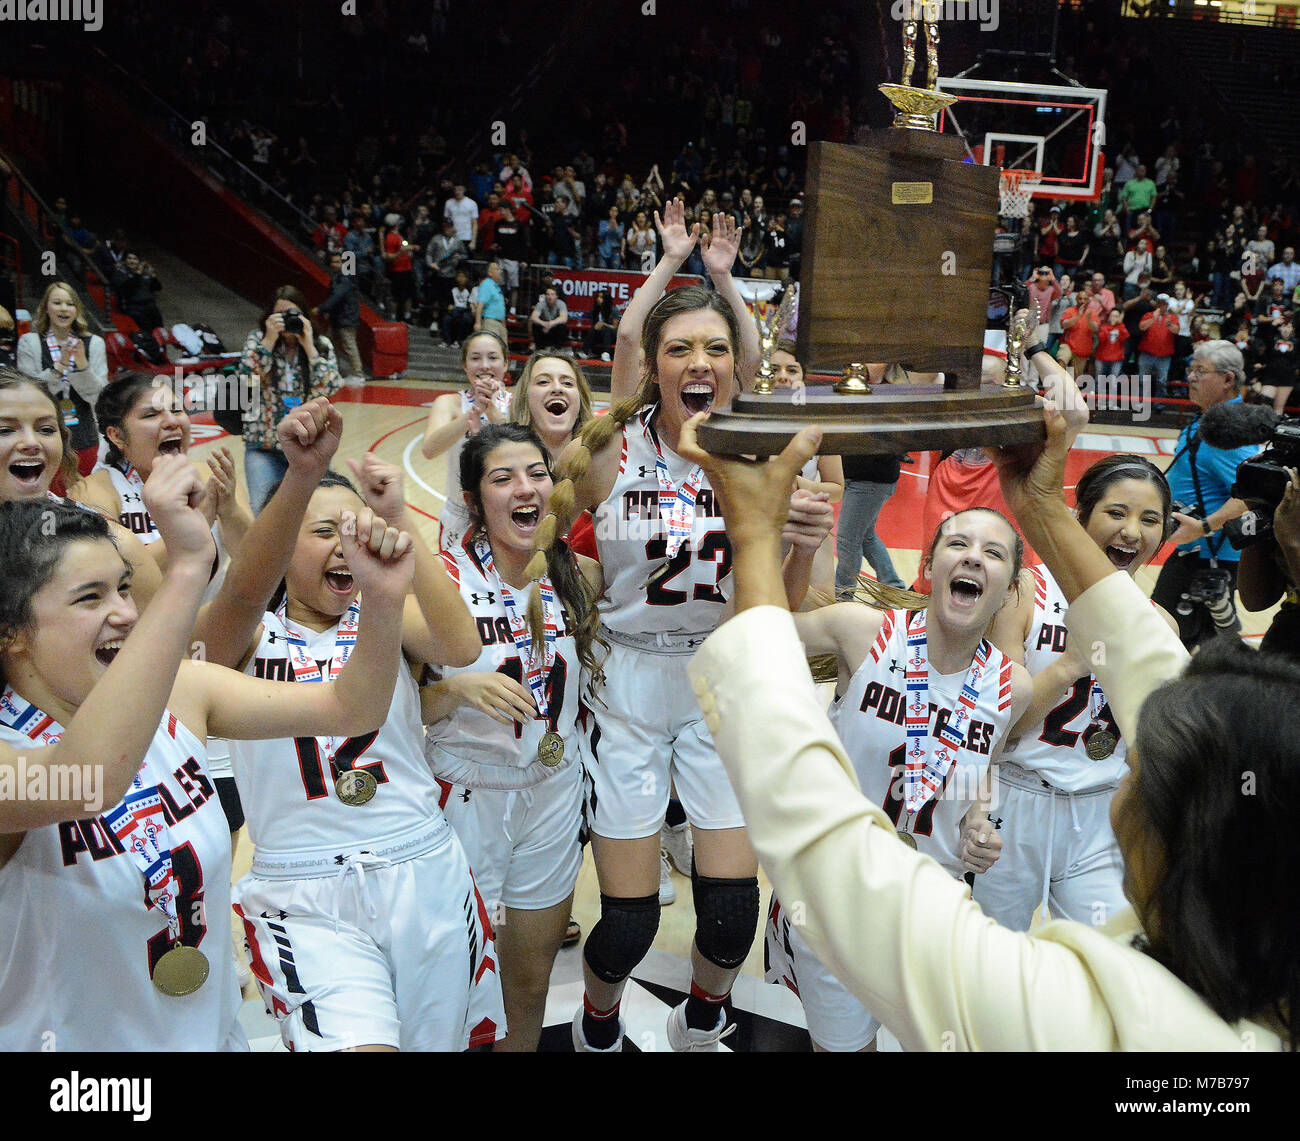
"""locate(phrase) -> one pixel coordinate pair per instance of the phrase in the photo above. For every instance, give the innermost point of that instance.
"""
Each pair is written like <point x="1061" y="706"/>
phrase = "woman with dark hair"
<point x="1209" y="956"/>
<point x="929" y="771"/>
<point x="284" y="365"/>
<point x="604" y="325"/>
<point x="667" y="567"/>
<point x="363" y="925"/>
<point x="36" y="452"/>
<point x="80" y="668"/>
<point x="142" y="419"/>
<point x="505" y="727"/>
<point x="753" y="248"/>
<point x="456" y="416"/>
<point x="61" y="353"/>
<point x="1067" y="756"/>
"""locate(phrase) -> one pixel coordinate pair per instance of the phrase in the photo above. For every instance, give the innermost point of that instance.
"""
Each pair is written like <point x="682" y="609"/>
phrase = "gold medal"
<point x="907" y="839"/>
<point x="1099" y="743"/>
<point x="355" y="787"/>
<point x="550" y="749"/>
<point x="181" y="971"/>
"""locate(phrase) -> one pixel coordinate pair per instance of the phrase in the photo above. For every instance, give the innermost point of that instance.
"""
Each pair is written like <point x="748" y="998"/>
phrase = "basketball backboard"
<point x="1057" y="130"/>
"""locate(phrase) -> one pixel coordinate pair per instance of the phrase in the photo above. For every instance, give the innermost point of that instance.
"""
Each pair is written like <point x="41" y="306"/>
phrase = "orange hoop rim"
<point x="1014" y="176"/>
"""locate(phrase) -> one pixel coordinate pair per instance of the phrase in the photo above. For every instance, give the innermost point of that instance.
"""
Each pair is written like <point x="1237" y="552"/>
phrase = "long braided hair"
<point x="573" y="591"/>
<point x="597" y="433"/>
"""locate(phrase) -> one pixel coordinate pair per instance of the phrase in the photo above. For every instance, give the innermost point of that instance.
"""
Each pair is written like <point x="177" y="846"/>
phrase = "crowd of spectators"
<point x="704" y="109"/>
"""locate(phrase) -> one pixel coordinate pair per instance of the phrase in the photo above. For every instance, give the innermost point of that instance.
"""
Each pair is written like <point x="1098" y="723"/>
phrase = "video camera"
<point x="1261" y="482"/>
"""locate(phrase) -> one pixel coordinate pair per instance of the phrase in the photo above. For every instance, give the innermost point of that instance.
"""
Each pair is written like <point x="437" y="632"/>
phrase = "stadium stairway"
<point x="189" y="295"/>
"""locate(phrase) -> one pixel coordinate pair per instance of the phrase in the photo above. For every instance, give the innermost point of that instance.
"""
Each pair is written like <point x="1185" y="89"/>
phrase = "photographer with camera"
<point x="284" y="365"/>
<point x="1197" y="582"/>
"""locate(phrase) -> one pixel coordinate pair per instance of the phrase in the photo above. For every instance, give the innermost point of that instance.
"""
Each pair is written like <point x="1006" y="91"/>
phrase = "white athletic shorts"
<point x="647" y="736"/>
<point x="522" y="844"/>
<point x="837" y="1021"/>
<point x="1057" y="849"/>
<point x="373" y="952"/>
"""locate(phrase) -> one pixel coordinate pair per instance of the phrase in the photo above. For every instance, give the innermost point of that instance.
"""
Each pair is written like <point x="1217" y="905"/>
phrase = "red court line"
<point x="388" y="394"/>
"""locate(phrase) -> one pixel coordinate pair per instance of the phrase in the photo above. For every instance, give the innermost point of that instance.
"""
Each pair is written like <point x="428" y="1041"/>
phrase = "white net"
<point x="1017" y="191"/>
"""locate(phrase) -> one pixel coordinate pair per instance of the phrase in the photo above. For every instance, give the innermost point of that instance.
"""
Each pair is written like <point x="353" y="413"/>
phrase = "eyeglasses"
<point x="1198" y="371"/>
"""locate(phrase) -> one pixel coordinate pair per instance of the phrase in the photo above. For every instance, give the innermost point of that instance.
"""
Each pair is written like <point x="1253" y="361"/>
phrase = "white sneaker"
<point x="580" y="1043"/>
<point x="684" y="1039"/>
<point x="604" y="356"/>
<point x="675" y="839"/>
<point x="667" y="891"/>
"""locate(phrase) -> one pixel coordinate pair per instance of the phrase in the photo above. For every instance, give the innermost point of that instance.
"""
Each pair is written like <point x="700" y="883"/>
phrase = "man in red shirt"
<point x="401" y="276"/>
<point x="1112" y="338"/>
<point x="1156" y="348"/>
<point x="1078" y="333"/>
<point x="521" y="198"/>
<point x="1103" y="300"/>
<point x="1043" y="290"/>
<point x="488" y="218"/>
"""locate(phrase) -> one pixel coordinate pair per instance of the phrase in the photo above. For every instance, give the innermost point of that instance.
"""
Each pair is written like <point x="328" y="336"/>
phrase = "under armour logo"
<point x="996" y="823"/>
<point x="645" y="472"/>
<point x="275" y="915"/>
<point x="465" y="796"/>
<point x="478" y="599"/>
<point x="271" y="636"/>
<point x="894" y="667"/>
<point x="130" y="497"/>
<point x="1057" y="608"/>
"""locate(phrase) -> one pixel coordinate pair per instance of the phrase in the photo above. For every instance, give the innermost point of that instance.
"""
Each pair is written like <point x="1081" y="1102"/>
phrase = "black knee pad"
<point x="726" y="918"/>
<point x="623" y="936"/>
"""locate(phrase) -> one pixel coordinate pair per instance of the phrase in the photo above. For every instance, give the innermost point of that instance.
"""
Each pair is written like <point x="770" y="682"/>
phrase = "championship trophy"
<point x="898" y="255"/>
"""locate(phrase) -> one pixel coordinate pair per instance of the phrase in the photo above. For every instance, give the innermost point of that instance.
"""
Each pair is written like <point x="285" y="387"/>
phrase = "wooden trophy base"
<point x="886" y="422"/>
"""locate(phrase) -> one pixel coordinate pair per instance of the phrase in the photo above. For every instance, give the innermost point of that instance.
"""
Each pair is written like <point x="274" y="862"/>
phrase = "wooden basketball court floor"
<point x="387" y="418"/>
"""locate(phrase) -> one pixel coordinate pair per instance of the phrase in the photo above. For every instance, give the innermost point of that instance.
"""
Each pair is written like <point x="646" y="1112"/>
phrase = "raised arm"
<point x="719" y="250"/>
<point x="438" y="627"/>
<point x="243" y="708"/>
<point x="115" y="724"/>
<point x="677" y="242"/>
<point x="309" y="437"/>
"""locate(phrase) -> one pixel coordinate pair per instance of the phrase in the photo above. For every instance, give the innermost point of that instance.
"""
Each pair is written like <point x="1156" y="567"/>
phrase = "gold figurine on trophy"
<point x="769" y="332"/>
<point x="916" y="106"/>
<point x="1018" y="330"/>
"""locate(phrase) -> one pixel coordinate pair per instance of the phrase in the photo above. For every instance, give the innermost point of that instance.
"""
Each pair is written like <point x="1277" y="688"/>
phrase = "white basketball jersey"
<point x="131" y="513"/>
<point x="78" y="942"/>
<point x="633" y="542"/>
<point x="471" y="736"/>
<point x="1055" y="750"/>
<point x="454" y="516"/>
<point x="287" y="785"/>
<point x="870" y="718"/>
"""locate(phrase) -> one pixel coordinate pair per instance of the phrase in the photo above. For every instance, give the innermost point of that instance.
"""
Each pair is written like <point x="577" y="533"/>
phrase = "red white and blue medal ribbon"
<point x="928" y="761"/>
<point x="140" y="825"/>
<point x="537" y="667"/>
<point x="676" y="505"/>
<point x="25" y="718"/>
<point x="304" y="665"/>
<point x="138" y="821"/>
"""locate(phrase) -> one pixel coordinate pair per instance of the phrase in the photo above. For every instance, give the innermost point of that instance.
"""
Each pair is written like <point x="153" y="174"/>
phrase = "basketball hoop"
<point x="1017" y="188"/>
